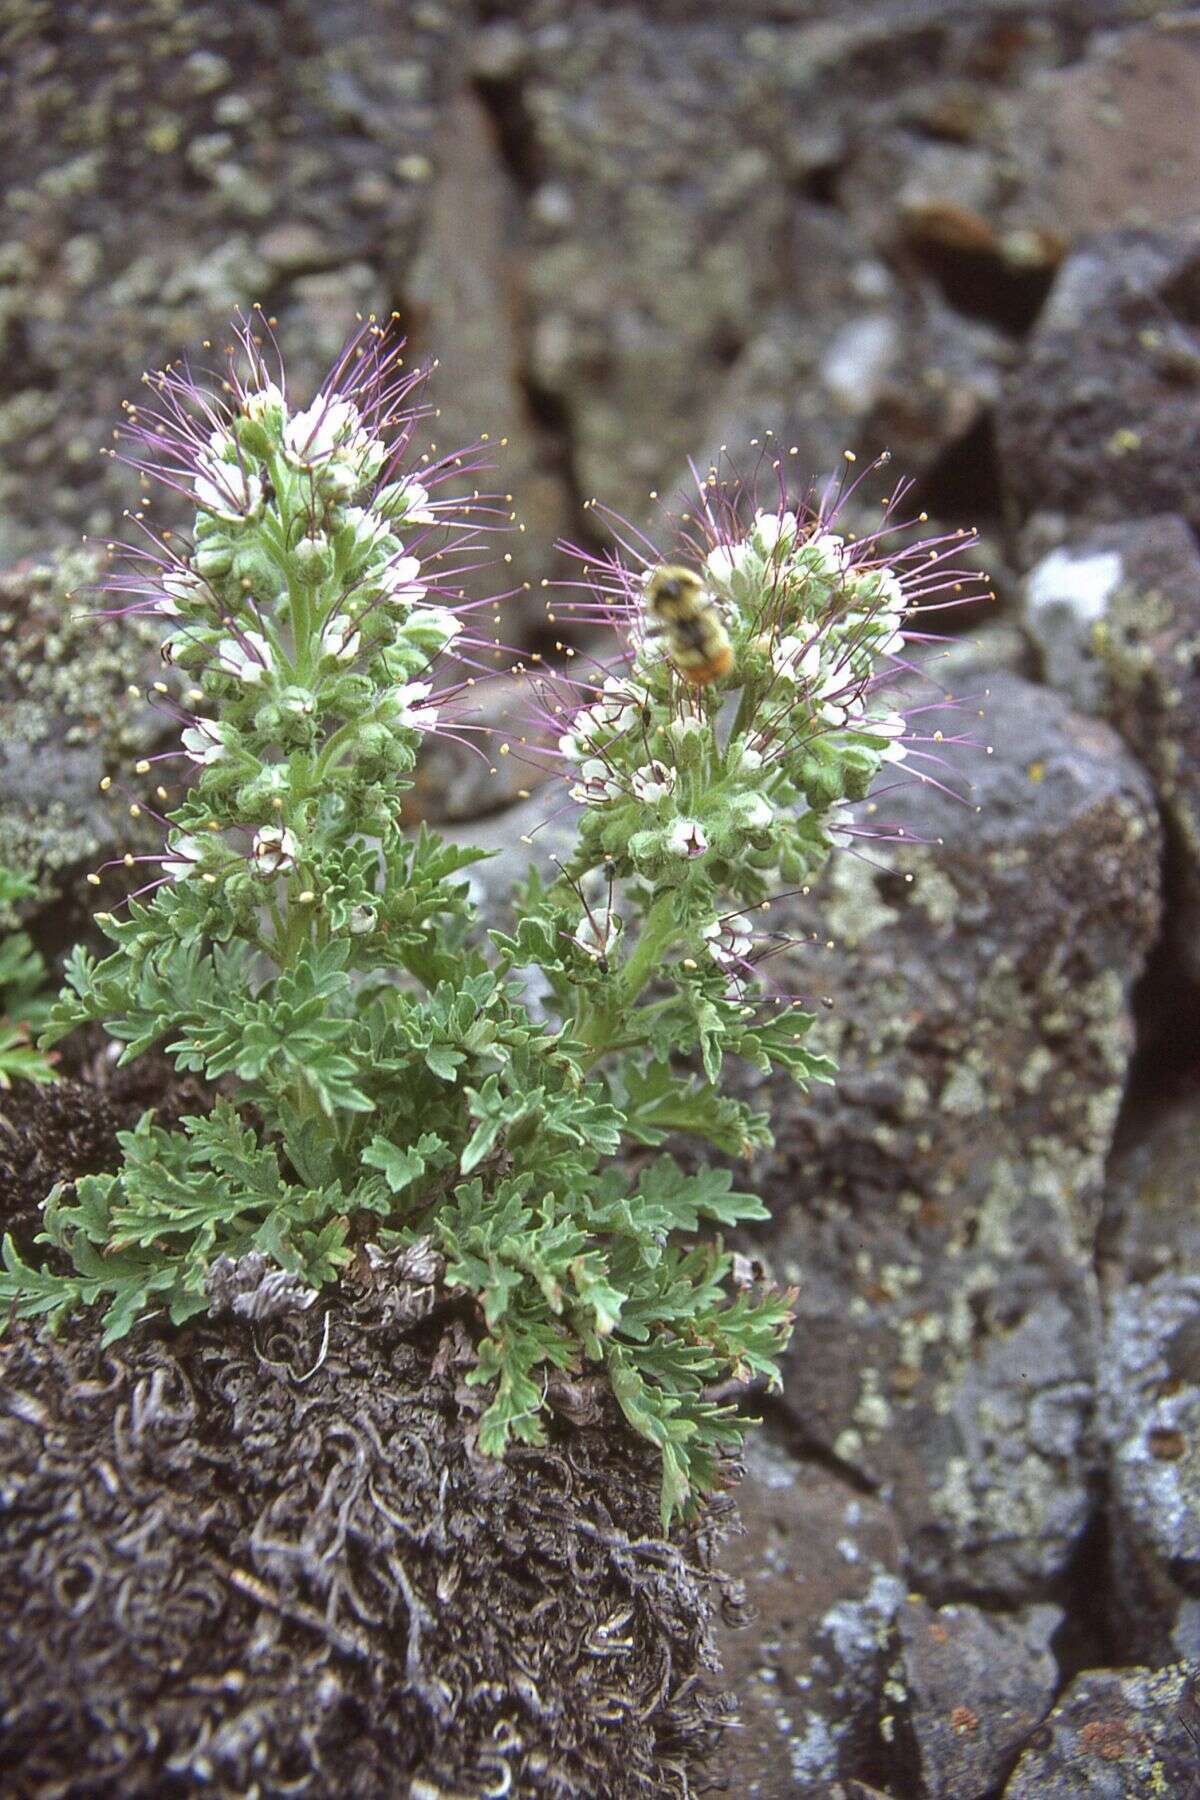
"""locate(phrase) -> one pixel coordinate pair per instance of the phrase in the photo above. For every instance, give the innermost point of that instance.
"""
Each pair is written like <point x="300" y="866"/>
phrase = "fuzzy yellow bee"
<point x="687" y="615"/>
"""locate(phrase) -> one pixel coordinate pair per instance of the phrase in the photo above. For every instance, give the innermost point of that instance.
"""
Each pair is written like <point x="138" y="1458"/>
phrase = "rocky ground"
<point x="634" y="234"/>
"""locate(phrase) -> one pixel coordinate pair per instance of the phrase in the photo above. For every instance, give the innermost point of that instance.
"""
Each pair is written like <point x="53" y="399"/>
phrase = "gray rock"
<point x="821" y="1566"/>
<point x="976" y="1688"/>
<point x="1116" y="616"/>
<point x="1066" y="597"/>
<point x="1099" y="420"/>
<point x="938" y="1204"/>
<point x="67" y="719"/>
<point x="1150" y="1420"/>
<point x="1116" y="1735"/>
<point x="1152" y="1199"/>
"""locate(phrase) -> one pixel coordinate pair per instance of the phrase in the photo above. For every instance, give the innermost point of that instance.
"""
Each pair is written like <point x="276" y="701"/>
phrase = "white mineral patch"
<point x="858" y="358"/>
<point x="1083" y="584"/>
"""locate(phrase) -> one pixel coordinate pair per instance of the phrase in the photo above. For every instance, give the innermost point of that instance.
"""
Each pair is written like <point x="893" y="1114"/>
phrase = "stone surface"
<point x="1099" y="420"/>
<point x="938" y="1205"/>
<point x="821" y="1565"/>
<point x="171" y="164"/>
<point x="1152" y="1199"/>
<point x="628" y="231"/>
<point x="975" y="1690"/>
<point x="1116" y="1735"/>
<point x="66" y="720"/>
<point x="1116" y="617"/>
<point x="1150" y="1420"/>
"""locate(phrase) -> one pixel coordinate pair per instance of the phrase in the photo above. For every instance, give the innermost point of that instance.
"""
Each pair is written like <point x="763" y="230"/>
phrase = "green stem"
<point x="601" y="1029"/>
<point x="658" y="928"/>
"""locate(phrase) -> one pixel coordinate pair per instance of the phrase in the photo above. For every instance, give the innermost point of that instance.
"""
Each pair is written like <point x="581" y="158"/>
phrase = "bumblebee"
<point x="686" y="614"/>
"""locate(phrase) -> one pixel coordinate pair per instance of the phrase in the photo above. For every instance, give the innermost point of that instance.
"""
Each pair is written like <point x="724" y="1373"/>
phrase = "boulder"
<point x="1152" y="1198"/>
<point x="938" y="1204"/>
<point x="1116" y="617"/>
<point x="1099" y="419"/>
<point x="67" y="719"/>
<point x="1150" y="1419"/>
<point x="820" y="1564"/>
<point x="975" y="1689"/>
<point x="1117" y="1734"/>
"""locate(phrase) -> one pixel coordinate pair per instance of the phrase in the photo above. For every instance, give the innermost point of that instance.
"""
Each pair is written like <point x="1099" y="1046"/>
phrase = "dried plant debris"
<point x="49" y="1134"/>
<point x="266" y="1559"/>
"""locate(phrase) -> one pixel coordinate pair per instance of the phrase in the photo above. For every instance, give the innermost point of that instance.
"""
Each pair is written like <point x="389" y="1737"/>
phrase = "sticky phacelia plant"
<point x="390" y="1073"/>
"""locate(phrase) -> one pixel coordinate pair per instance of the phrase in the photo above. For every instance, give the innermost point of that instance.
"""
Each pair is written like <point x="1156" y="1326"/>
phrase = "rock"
<point x="1150" y="1420"/>
<point x="1149" y="645"/>
<point x="1115" y="1735"/>
<point x="466" y="308"/>
<point x="1117" y="618"/>
<point x="976" y="1688"/>
<point x="1118" y="129"/>
<point x="67" y="719"/>
<point x="938" y="1205"/>
<point x="162" y="179"/>
<point x="1099" y="420"/>
<point x="820" y="1564"/>
<point x="1152" y="1202"/>
<point x="1066" y="597"/>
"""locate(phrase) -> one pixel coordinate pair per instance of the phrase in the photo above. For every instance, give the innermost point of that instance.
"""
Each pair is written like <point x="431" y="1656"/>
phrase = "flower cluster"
<point x="309" y="611"/>
<point x="728" y="789"/>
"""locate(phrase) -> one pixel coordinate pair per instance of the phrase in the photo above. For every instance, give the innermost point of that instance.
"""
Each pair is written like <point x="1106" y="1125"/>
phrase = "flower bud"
<point x="313" y="559"/>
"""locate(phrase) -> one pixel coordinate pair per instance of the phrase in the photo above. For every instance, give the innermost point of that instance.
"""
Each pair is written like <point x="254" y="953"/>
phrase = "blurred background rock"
<point x="965" y="232"/>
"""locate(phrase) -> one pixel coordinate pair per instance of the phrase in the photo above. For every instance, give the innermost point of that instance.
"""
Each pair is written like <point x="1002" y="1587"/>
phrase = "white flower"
<point x="267" y="398"/>
<point x="341" y="638"/>
<point x="797" y="659"/>
<point x="769" y="529"/>
<point x="725" y="563"/>
<point x="187" y="853"/>
<point x="204" y="742"/>
<point x="222" y="445"/>
<point x="728" y="940"/>
<point x="595" y="785"/>
<point x="744" y="758"/>
<point x="613" y="713"/>
<point x="400" y="581"/>
<point x="275" y="850"/>
<point x="686" y="838"/>
<point x="225" y="490"/>
<point x="417" y="510"/>
<point x="824" y="554"/>
<point x="598" y="931"/>
<point x="247" y="658"/>
<point x="891" y="725"/>
<point x="407" y="708"/>
<point x="652" y="782"/>
<point x="320" y="429"/>
<point x="434" y="623"/>
<point x="179" y="585"/>
<point x="367" y="526"/>
<point x="880" y="587"/>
